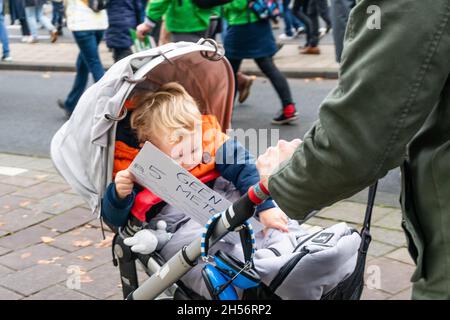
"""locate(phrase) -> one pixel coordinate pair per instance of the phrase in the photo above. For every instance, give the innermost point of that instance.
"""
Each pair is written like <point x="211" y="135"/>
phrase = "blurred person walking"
<point x="292" y="25"/>
<point x="249" y="37"/>
<point x="33" y="10"/>
<point x="340" y="11"/>
<point x="58" y="15"/>
<point x="4" y="36"/>
<point x="87" y="28"/>
<point x="17" y="12"/>
<point x="123" y="15"/>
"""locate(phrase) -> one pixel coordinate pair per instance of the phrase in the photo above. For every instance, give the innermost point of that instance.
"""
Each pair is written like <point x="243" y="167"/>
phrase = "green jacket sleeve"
<point x="157" y="8"/>
<point x="390" y="79"/>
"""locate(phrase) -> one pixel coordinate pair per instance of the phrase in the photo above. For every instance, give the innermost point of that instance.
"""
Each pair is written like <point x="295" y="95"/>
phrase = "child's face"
<point x="188" y="152"/>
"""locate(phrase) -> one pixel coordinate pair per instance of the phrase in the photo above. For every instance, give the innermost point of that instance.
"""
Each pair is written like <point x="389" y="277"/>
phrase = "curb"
<point x="292" y="74"/>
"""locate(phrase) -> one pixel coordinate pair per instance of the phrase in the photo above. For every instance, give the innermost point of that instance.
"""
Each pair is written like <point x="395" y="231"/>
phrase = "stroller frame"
<point x="166" y="276"/>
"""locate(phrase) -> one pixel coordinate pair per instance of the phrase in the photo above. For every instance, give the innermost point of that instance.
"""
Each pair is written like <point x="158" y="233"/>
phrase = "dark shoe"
<point x="62" y="105"/>
<point x="310" y="50"/>
<point x="286" y="115"/>
<point x="53" y="36"/>
<point x="60" y="31"/>
<point x="279" y="46"/>
<point x="244" y="84"/>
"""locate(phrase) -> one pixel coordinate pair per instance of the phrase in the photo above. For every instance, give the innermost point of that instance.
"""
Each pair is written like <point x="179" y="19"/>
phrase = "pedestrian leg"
<point x="79" y="85"/>
<point x="32" y="23"/>
<point x="300" y="15"/>
<point x="288" y="111"/>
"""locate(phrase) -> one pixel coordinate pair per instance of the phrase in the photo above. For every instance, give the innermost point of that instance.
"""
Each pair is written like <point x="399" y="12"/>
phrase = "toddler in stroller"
<point x="171" y="120"/>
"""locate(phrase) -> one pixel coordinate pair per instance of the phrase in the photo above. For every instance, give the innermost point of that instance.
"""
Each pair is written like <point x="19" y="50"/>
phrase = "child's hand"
<point x="274" y="218"/>
<point x="124" y="183"/>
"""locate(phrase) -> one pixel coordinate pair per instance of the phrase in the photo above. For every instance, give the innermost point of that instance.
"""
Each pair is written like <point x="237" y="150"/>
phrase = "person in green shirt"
<point x="185" y="20"/>
<point x="391" y="108"/>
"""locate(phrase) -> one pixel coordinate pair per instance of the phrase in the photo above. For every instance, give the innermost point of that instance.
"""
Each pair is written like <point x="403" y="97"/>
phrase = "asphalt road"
<point x="30" y="115"/>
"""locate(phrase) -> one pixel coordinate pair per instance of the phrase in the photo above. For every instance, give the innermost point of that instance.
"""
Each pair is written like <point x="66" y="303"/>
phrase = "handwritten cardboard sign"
<point x="160" y="174"/>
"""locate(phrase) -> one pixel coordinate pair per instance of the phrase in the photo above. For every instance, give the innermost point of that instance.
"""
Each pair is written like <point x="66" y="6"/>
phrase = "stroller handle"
<point x="185" y="259"/>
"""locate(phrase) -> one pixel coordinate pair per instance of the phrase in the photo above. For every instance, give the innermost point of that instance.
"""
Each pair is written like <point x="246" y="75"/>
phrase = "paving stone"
<point x="378" y="249"/>
<point x="58" y="179"/>
<point x="34" y="279"/>
<point x="11" y="202"/>
<point x="352" y="212"/>
<point x="37" y="175"/>
<point x="13" y="160"/>
<point x="11" y="171"/>
<point x="391" y="276"/>
<point x="102" y="282"/>
<point x="19" y="219"/>
<point x="70" y="220"/>
<point x="392" y="220"/>
<point x="390" y="237"/>
<point x="404" y="295"/>
<point x="6" y="189"/>
<point x="401" y="255"/>
<point x="88" y="258"/>
<point x="42" y="190"/>
<point x="4" y="251"/>
<point x="58" y="292"/>
<point x="373" y="294"/>
<point x="3" y="233"/>
<point x="57" y="203"/>
<point x="26" y="238"/>
<point x="39" y="164"/>
<point x="78" y="239"/>
<point x="4" y="271"/>
<point x="19" y="181"/>
<point x="6" y="294"/>
<point x="34" y="255"/>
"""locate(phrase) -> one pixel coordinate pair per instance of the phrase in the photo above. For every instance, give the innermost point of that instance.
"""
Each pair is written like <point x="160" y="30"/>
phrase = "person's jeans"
<point x="88" y="61"/>
<point x="315" y="9"/>
<point x="299" y="11"/>
<point x="58" y="14"/>
<point x="289" y="19"/>
<point x="3" y="32"/>
<point x="34" y="14"/>
<point x="270" y="70"/>
<point x="340" y="11"/>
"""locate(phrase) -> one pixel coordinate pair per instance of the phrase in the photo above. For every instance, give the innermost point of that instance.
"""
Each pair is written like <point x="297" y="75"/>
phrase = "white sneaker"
<point x="32" y="39"/>
<point x="7" y="59"/>
<point x="299" y="31"/>
<point x="25" y="38"/>
<point x="284" y="36"/>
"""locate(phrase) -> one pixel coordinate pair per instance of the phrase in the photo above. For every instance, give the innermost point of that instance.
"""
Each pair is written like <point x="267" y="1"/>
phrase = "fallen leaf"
<point x="105" y="243"/>
<point x="25" y="255"/>
<point x="85" y="279"/>
<point x="81" y="243"/>
<point x="55" y="205"/>
<point x="47" y="239"/>
<point x="24" y="203"/>
<point x="2" y="224"/>
<point x="86" y="258"/>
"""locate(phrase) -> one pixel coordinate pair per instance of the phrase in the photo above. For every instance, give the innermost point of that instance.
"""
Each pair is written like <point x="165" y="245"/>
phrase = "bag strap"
<point x="366" y="238"/>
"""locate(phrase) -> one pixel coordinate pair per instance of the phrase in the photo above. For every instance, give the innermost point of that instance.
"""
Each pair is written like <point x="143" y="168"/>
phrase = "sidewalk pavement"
<point x="47" y="234"/>
<point x="61" y="56"/>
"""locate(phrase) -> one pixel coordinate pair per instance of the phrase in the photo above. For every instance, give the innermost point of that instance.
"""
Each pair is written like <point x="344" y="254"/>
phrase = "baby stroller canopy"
<point x="82" y="150"/>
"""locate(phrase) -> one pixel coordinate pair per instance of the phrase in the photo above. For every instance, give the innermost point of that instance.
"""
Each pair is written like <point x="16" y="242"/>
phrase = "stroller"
<point x="83" y="152"/>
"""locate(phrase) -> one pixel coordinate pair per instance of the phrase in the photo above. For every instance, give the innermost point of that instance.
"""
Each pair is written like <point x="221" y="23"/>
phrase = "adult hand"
<point x="268" y="162"/>
<point x="142" y="30"/>
<point x="274" y="218"/>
